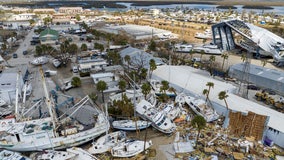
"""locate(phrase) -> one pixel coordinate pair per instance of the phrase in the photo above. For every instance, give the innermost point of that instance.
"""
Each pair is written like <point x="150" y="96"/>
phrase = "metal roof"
<point x="137" y="56"/>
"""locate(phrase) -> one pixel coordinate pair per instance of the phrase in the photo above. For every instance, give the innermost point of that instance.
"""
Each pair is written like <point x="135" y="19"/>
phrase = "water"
<point x="276" y="9"/>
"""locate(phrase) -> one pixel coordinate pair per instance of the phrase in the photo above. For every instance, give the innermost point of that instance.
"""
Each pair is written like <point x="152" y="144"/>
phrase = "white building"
<point x="106" y="77"/>
<point x="88" y="65"/>
<point x="23" y="17"/>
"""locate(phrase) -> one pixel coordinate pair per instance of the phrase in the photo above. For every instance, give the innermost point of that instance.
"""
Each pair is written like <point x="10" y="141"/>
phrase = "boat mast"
<point x="17" y="97"/>
<point x="48" y="101"/>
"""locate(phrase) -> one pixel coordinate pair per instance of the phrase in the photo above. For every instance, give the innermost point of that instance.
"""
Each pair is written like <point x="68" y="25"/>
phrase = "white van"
<point x="75" y="69"/>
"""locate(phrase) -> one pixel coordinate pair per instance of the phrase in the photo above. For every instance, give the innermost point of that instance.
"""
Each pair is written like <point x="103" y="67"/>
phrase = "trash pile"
<point x="214" y="142"/>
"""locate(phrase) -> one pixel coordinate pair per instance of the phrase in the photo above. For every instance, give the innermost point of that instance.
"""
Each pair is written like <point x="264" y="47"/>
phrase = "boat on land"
<point x="171" y="109"/>
<point x="130" y="125"/>
<point x="76" y="125"/>
<point x="106" y="142"/>
<point x="183" y="48"/>
<point x="156" y="86"/>
<point x="39" y="60"/>
<point x="200" y="107"/>
<point x="208" y="49"/>
<point x="73" y="153"/>
<point x="158" y="119"/>
<point x="10" y="155"/>
<point x="130" y="148"/>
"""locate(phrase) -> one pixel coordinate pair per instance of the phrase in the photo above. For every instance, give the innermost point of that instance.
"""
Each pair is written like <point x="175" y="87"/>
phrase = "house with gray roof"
<point x="139" y="58"/>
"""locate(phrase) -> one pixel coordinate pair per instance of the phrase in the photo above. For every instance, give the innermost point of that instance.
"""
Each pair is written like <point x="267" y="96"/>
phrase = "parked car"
<point x="269" y="91"/>
<point x="252" y="87"/>
<point x="15" y="55"/>
<point x="25" y="52"/>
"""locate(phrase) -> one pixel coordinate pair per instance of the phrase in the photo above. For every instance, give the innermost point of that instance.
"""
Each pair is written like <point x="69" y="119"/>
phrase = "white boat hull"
<point x="129" y="149"/>
<point x="129" y="125"/>
<point x="105" y="143"/>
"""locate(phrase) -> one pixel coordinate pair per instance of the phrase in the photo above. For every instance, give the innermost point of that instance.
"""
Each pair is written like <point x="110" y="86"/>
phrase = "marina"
<point x="141" y="80"/>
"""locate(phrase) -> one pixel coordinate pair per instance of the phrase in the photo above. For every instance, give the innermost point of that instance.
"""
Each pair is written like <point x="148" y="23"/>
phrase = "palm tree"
<point x="201" y="54"/>
<point x="165" y="86"/>
<point x="153" y="66"/>
<point x="222" y="96"/>
<point x="127" y="60"/>
<point x="225" y="56"/>
<point x="191" y="54"/>
<point x="146" y="89"/>
<point x="199" y="123"/>
<point x="207" y="91"/>
<point x="122" y="86"/>
<point x="211" y="60"/>
<point x="101" y="86"/>
<point x="173" y="90"/>
<point x="243" y="57"/>
<point x="263" y="62"/>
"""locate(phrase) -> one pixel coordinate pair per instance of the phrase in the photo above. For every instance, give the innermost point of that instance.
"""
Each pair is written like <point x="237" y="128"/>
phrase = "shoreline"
<point x="222" y="4"/>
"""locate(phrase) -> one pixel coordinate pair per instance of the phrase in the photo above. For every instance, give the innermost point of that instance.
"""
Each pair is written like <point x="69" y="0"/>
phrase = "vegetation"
<point x="99" y="46"/>
<point x="225" y="56"/>
<point x="127" y="59"/>
<point x="146" y="89"/>
<point x="207" y="91"/>
<point x="165" y="86"/>
<point x="152" y="45"/>
<point x="122" y="107"/>
<point x="76" y="82"/>
<point x="101" y="87"/>
<point x="199" y="123"/>
<point x="223" y="96"/>
<point x="153" y="66"/>
<point x="84" y="47"/>
<point x="113" y="58"/>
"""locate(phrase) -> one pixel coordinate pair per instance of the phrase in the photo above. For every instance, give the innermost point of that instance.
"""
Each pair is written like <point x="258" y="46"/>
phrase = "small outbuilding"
<point x="48" y="36"/>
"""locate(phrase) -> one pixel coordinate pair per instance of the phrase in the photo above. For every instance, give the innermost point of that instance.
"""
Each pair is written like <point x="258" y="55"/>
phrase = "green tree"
<point x="201" y="54"/>
<point x="223" y="96"/>
<point x="73" y="49"/>
<point x="78" y="18"/>
<point x="99" y="46"/>
<point x="38" y="50"/>
<point x="244" y="57"/>
<point x="199" y="123"/>
<point x="47" y="20"/>
<point x="122" y="85"/>
<point x="164" y="86"/>
<point x="113" y="58"/>
<point x="153" y="66"/>
<point x="32" y="22"/>
<point x="76" y="82"/>
<point x="101" y="86"/>
<point x="207" y="91"/>
<point x="191" y="54"/>
<point x="212" y="59"/>
<point x="152" y="46"/>
<point x="264" y="62"/>
<point x="146" y="89"/>
<point x="143" y="74"/>
<point x="127" y="59"/>
<point x="84" y="47"/>
<point x="225" y="56"/>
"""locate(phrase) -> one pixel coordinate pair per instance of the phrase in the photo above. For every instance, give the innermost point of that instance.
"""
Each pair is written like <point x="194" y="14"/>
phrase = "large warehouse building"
<point x="260" y="76"/>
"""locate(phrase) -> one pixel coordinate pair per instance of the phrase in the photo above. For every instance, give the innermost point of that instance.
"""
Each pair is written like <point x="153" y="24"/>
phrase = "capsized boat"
<point x="10" y="155"/>
<point x="130" y="125"/>
<point x="200" y="107"/>
<point x="130" y="148"/>
<point x="106" y="142"/>
<point x="81" y="154"/>
<point x="158" y="119"/>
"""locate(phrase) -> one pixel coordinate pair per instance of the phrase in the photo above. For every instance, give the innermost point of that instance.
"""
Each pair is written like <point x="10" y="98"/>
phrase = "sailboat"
<point x="10" y="155"/>
<point x="105" y="143"/>
<point x="130" y="125"/>
<point x="54" y="132"/>
<point x="73" y="153"/>
<point x="130" y="148"/>
<point x="171" y="109"/>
